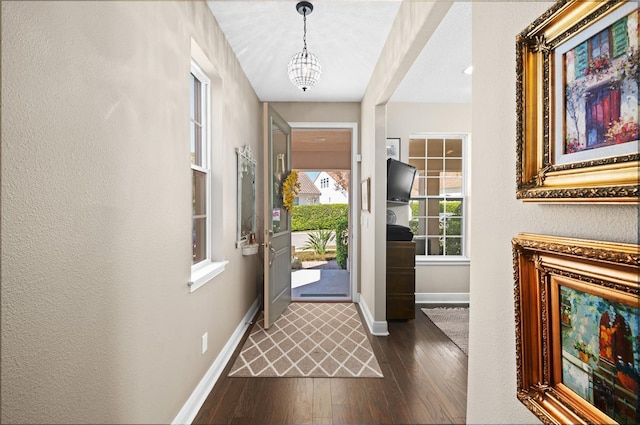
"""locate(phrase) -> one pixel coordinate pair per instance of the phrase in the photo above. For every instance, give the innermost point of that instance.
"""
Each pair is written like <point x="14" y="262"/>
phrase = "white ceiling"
<point x="347" y="37"/>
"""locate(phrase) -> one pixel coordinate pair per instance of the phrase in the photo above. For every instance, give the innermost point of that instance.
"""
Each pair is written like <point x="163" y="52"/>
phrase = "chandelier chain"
<point x="304" y="36"/>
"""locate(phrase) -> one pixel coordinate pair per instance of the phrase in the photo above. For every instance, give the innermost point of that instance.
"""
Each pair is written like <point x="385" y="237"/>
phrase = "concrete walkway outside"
<point x="320" y="280"/>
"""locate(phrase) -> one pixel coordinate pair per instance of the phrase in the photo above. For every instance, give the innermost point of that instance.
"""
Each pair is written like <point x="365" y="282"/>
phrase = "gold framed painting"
<point x="577" y="104"/>
<point x="577" y="313"/>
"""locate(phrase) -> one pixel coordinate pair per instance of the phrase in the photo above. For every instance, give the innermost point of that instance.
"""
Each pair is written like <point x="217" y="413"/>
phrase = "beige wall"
<point x="496" y="216"/>
<point x="97" y="321"/>
<point x="404" y="119"/>
<point x="412" y="28"/>
<point x="318" y="111"/>
<point x="98" y="324"/>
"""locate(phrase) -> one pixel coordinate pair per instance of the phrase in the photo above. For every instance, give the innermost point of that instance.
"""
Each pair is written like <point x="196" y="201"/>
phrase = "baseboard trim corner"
<point x="442" y="298"/>
<point x="193" y="404"/>
<point x="378" y="328"/>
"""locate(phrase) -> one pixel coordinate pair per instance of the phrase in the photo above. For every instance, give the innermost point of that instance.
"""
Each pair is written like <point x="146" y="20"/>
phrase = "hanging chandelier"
<point x="304" y="67"/>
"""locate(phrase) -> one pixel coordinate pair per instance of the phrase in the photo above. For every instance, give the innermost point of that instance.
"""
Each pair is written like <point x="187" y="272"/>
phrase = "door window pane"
<point x="280" y="167"/>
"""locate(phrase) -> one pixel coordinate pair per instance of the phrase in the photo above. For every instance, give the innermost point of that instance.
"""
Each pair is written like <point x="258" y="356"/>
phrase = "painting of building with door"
<point x="600" y="352"/>
<point x="601" y="88"/>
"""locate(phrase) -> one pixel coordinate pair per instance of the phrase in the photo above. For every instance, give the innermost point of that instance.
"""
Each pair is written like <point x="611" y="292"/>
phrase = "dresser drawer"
<point x="401" y="307"/>
<point x="401" y="254"/>
<point x="401" y="281"/>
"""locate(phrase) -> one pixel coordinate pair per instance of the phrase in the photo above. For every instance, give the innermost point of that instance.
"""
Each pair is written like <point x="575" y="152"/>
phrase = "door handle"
<point x="271" y="251"/>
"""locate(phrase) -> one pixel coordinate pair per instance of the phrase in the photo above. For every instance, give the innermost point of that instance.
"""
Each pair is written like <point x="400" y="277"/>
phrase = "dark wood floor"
<point x="425" y="382"/>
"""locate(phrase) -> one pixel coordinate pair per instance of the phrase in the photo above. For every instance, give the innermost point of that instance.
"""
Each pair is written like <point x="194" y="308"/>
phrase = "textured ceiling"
<point x="347" y="37"/>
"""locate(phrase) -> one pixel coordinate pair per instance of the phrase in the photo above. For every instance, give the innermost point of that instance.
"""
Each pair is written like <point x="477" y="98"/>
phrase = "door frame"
<point x="354" y="196"/>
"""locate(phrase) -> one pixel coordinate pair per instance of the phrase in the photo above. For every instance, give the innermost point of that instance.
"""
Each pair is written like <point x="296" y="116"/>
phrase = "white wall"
<point x="98" y="325"/>
<point x="404" y="119"/>
<point x="496" y="216"/>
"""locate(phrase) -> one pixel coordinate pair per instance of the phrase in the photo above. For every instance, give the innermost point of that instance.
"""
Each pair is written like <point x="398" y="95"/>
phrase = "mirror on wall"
<point x="246" y="195"/>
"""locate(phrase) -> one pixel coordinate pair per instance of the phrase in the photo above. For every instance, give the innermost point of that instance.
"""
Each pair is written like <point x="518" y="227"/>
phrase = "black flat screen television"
<point x="399" y="181"/>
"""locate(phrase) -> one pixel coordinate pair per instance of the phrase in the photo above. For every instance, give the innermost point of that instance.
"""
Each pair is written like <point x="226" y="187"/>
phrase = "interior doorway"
<point x="324" y="156"/>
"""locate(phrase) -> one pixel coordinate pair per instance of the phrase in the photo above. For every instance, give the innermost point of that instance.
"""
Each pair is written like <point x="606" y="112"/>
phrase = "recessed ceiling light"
<point x="468" y="70"/>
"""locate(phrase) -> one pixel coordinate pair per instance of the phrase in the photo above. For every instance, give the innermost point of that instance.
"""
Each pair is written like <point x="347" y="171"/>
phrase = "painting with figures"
<point x="601" y="352"/>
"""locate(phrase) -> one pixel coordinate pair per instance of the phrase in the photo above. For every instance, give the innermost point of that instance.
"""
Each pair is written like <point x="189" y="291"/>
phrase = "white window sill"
<point x="433" y="260"/>
<point x="205" y="274"/>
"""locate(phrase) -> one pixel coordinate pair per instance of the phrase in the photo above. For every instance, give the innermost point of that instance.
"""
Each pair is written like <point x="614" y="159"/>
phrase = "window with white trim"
<point x="200" y="171"/>
<point x="438" y="199"/>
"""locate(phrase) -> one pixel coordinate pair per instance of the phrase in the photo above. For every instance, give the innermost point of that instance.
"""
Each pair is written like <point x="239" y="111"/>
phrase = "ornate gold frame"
<point x="607" y="179"/>
<point x="541" y="264"/>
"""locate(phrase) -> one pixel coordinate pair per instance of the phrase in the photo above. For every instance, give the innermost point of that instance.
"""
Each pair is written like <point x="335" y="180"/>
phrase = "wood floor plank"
<point x="247" y="402"/>
<point x="433" y="390"/>
<point x="424" y="381"/>
<point x="321" y="397"/>
<point x="395" y="400"/>
<point x="222" y="411"/>
<point x="303" y="402"/>
<point x="415" y="410"/>
<point x="339" y="393"/>
<point x="377" y="402"/>
<point x="358" y="396"/>
<point x="344" y="414"/>
<point x="281" y="393"/>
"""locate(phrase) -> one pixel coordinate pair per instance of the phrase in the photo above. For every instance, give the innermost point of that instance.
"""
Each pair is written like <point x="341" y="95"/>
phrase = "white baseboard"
<point x="356" y="298"/>
<point x="442" y="298"/>
<point x="379" y="328"/>
<point x="202" y="390"/>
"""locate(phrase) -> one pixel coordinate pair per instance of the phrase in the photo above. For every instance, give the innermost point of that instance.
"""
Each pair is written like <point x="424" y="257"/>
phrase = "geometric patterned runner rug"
<point x="309" y="340"/>
<point x="453" y="322"/>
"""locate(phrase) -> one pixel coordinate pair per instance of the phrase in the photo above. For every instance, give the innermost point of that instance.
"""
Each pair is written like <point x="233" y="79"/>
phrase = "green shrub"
<point x="342" y="240"/>
<point x="317" y="216"/>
